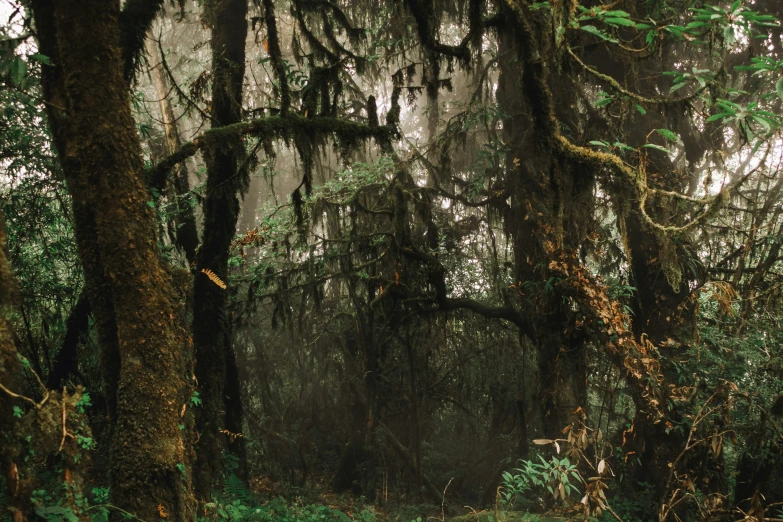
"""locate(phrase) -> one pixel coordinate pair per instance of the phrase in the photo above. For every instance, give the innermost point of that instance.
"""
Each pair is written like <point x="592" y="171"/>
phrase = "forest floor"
<point x="393" y="508"/>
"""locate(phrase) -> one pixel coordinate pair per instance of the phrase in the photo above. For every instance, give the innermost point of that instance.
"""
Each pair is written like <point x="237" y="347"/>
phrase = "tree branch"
<point x="446" y="304"/>
<point x="65" y="362"/>
<point x="135" y="20"/>
<point x="284" y="127"/>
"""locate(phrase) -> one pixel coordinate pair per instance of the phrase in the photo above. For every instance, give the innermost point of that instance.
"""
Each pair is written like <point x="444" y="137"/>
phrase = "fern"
<point x="235" y="489"/>
<point x="213" y="277"/>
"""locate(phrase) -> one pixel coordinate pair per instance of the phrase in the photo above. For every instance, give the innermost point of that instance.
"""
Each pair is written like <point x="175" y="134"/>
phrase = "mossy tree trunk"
<point x="138" y="310"/>
<point x="547" y="222"/>
<point x="226" y="177"/>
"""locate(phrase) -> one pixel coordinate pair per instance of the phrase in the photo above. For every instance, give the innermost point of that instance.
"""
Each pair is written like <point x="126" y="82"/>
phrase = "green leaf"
<point x="599" y="33"/>
<point x="720" y="116"/>
<point x="41" y="58"/>
<point x="763" y="122"/>
<point x="656" y="147"/>
<point x="669" y="135"/>
<point x="677" y="86"/>
<point x="639" y="108"/>
<point x="779" y="87"/>
<point x="696" y="25"/>
<point x="617" y="13"/>
<point x="620" y="21"/>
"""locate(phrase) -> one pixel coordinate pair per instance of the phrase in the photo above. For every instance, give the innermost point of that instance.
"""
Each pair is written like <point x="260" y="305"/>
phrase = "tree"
<point x="563" y="242"/>
<point x="139" y="306"/>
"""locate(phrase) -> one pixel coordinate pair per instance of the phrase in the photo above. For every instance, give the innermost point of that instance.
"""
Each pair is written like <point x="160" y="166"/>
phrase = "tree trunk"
<point x="226" y="177"/>
<point x="185" y="220"/>
<point x="138" y="312"/>
<point x="545" y="224"/>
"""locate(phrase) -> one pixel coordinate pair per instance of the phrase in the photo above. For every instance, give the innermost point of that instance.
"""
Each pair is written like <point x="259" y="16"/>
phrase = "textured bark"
<point x="96" y="284"/>
<point x="11" y="457"/>
<point x="544" y="221"/>
<point x="226" y="177"/>
<point x="66" y="361"/>
<point x="101" y="156"/>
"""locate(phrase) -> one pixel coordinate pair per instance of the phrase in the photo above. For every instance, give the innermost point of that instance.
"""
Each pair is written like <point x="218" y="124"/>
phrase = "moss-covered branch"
<point x="337" y="14"/>
<point x="422" y="13"/>
<point x="283" y="127"/>
<point x="535" y="87"/>
<point x="445" y="304"/>
<point x="135" y="20"/>
<point x="622" y="90"/>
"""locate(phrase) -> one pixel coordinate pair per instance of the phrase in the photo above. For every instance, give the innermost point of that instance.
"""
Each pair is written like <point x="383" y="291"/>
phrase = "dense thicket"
<point x="516" y="255"/>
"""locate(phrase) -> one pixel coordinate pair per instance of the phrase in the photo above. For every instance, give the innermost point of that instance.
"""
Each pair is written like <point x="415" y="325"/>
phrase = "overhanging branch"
<point x="284" y="127"/>
<point x="446" y="304"/>
<point x="135" y="20"/>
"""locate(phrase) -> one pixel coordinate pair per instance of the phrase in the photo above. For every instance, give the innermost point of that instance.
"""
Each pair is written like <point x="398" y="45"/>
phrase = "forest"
<point x="391" y="260"/>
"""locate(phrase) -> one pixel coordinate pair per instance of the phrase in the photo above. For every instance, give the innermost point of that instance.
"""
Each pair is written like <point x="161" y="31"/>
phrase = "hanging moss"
<point x="372" y="111"/>
<point x="135" y="20"/>
<point x="273" y="43"/>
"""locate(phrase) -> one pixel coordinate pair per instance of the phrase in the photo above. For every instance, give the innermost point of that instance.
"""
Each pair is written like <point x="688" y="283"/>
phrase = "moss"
<point x="372" y="111"/>
<point x="508" y="516"/>
<point x="273" y="42"/>
<point x="135" y="20"/>
<point x="8" y="289"/>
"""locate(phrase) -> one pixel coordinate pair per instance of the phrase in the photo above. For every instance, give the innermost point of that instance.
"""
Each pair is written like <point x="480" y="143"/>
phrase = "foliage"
<point x="278" y="510"/>
<point x="578" y="212"/>
<point x="557" y="476"/>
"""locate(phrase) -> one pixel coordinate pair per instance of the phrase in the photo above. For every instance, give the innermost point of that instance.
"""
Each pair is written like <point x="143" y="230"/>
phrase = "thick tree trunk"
<point x="545" y="203"/>
<point x="226" y="177"/>
<point x="11" y="454"/>
<point x="138" y="312"/>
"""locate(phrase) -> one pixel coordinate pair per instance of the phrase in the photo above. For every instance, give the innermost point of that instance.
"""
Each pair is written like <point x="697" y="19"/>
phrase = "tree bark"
<point x="226" y="177"/>
<point x="545" y="224"/>
<point x="138" y="311"/>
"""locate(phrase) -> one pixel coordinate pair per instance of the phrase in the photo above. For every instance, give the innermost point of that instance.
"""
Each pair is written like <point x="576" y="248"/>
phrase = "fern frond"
<point x="213" y="277"/>
<point x="235" y="489"/>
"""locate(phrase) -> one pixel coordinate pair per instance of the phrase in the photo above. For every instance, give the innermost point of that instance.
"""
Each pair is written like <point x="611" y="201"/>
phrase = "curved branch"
<point x="619" y="88"/>
<point x="66" y="360"/>
<point x="135" y="20"/>
<point x="285" y="127"/>
<point x="420" y="10"/>
<point x="446" y="304"/>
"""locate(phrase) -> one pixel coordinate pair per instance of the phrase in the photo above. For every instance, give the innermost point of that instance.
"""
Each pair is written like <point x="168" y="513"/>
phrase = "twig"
<point x="65" y="430"/>
<point x="616" y="85"/>
<point x="611" y="512"/>
<point x="17" y="396"/>
<point x="443" y="503"/>
<point x="38" y="405"/>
